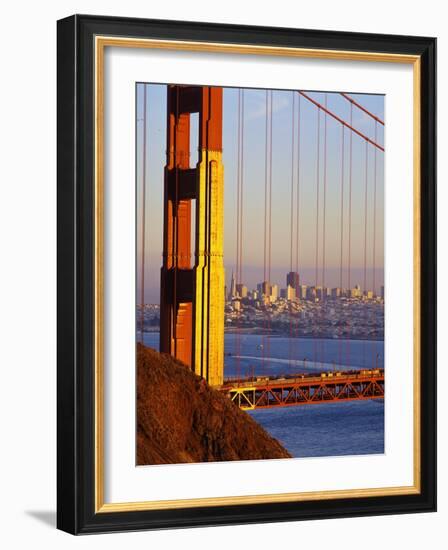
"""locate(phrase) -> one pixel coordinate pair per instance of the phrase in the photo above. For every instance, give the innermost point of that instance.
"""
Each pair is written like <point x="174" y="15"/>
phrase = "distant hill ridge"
<point x="182" y="419"/>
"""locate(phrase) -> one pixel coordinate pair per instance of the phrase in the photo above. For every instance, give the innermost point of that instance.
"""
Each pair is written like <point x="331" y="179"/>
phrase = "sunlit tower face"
<point x="192" y="297"/>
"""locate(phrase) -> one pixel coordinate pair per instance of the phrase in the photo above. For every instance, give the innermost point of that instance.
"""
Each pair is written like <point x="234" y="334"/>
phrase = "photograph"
<point x="260" y="284"/>
<point x="246" y="251"/>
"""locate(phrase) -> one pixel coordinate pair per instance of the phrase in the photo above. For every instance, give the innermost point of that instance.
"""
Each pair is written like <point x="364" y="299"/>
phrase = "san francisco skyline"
<point x="294" y="162"/>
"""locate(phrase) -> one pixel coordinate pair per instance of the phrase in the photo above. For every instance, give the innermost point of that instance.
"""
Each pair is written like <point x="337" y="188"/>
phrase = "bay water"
<point x="327" y="429"/>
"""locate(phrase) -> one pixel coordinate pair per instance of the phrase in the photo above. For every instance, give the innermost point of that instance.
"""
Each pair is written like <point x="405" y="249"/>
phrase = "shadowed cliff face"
<point x="181" y="419"/>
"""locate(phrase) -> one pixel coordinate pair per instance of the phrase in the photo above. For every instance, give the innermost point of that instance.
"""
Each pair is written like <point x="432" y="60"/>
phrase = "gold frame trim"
<point x="101" y="42"/>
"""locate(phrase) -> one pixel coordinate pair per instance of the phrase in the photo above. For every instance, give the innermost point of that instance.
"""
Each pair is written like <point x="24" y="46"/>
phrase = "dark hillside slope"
<point x="181" y="419"/>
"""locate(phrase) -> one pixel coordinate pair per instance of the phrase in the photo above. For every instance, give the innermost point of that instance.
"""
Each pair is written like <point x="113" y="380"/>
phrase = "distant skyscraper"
<point x="290" y="293"/>
<point x="311" y="293"/>
<point x="293" y="280"/>
<point x="241" y="290"/>
<point x="302" y="292"/>
<point x="264" y="288"/>
<point x="269" y="291"/>
<point x="355" y="292"/>
<point x="232" y="292"/>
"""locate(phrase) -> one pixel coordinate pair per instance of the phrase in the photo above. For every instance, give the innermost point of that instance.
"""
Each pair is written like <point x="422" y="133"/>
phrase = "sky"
<point x="294" y="175"/>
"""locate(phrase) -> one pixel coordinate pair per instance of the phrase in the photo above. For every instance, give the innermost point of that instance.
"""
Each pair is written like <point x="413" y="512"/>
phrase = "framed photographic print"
<point x="246" y="274"/>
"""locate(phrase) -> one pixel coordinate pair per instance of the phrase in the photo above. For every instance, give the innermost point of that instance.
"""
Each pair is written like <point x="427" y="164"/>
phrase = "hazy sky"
<point x="282" y="166"/>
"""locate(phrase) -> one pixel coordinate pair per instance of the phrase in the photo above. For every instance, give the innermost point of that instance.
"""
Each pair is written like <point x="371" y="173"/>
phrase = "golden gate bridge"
<point x="192" y="295"/>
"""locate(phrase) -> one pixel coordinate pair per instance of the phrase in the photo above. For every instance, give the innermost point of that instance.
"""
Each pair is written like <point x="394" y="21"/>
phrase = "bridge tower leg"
<point x="192" y="297"/>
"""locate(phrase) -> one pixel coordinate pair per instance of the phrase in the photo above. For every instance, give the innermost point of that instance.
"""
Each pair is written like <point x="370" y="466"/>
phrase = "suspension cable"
<point x="239" y="239"/>
<point x="350" y="224"/>
<point x="336" y="117"/>
<point x="270" y="222"/>
<point x="324" y="199"/>
<point x="240" y="275"/>
<point x="375" y="348"/>
<point x="317" y="234"/>
<point x="143" y="235"/>
<point x="364" y="293"/>
<point x="342" y="226"/>
<point x="299" y="97"/>
<point x="238" y="206"/>
<point x="374" y="212"/>
<point x="292" y="225"/>
<point x="323" y="308"/>
<point x="298" y="185"/>
<point x="362" y="108"/>
<point x="266" y="152"/>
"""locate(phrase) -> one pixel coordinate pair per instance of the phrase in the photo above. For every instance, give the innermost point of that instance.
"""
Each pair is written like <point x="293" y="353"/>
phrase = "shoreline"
<point x="253" y="332"/>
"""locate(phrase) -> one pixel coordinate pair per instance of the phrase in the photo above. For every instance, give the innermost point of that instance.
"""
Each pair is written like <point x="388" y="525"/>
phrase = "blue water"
<point x="330" y="429"/>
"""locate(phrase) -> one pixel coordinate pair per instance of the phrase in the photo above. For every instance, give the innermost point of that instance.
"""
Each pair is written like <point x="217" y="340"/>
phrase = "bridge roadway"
<point x="305" y="389"/>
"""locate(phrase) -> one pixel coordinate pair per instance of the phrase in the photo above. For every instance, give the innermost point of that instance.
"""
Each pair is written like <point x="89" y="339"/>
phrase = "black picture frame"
<point x="76" y="271"/>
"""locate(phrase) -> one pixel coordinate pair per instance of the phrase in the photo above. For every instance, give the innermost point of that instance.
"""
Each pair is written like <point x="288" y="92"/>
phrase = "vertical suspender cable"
<point x="263" y="346"/>
<point x="375" y="348"/>
<point x="323" y="308"/>
<point x="270" y="188"/>
<point x="317" y="233"/>
<point x="237" y="255"/>
<point x="298" y="207"/>
<point x="342" y="225"/>
<point x="349" y="266"/>
<point x="374" y="214"/>
<point x="238" y="231"/>
<point x="143" y="235"/>
<point x="324" y="199"/>
<point x="241" y="189"/>
<point x="292" y="181"/>
<point x="240" y="261"/>
<point x="270" y="219"/>
<point x="365" y="245"/>
<point x="292" y="225"/>
<point x="266" y="186"/>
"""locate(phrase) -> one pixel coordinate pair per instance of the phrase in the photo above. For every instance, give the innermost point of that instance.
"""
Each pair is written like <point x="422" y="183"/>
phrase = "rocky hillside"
<point x="181" y="419"/>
